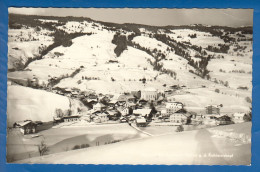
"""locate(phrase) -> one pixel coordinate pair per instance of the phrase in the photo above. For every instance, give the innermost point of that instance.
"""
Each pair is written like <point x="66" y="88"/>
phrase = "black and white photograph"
<point x="137" y="86"/>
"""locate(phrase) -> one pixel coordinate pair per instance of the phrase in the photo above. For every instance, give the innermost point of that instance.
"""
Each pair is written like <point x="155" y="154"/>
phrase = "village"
<point x="143" y="108"/>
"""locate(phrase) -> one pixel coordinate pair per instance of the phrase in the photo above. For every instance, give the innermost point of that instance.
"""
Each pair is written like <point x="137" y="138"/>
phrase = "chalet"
<point x="223" y="120"/>
<point x="26" y="127"/>
<point x="238" y="117"/>
<point x="172" y="107"/>
<point x="142" y="112"/>
<point x="71" y="118"/>
<point x="212" y="110"/>
<point x="149" y="94"/>
<point x="99" y="107"/>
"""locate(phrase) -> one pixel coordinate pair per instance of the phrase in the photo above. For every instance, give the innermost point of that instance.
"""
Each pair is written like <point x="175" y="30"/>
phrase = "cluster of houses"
<point x="139" y="107"/>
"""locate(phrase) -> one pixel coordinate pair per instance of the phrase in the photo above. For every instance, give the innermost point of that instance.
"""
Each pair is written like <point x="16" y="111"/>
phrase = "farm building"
<point x="26" y="127"/>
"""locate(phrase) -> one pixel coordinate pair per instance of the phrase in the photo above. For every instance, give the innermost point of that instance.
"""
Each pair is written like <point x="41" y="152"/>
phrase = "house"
<point x="130" y="105"/>
<point x="164" y="113"/>
<point x="112" y="103"/>
<point x="101" y="118"/>
<point x="99" y="107"/>
<point x="210" y="119"/>
<point x="113" y="115"/>
<point x="92" y="97"/>
<point x="86" y="118"/>
<point x="180" y="118"/>
<point x="212" y="109"/>
<point x="149" y="94"/>
<point x="26" y="127"/>
<point x="142" y="112"/>
<point x="238" y="117"/>
<point x="126" y="98"/>
<point x="123" y="110"/>
<point x="72" y="118"/>
<point x="223" y="120"/>
<point x="74" y="94"/>
<point x="141" y="122"/>
<point x="172" y="107"/>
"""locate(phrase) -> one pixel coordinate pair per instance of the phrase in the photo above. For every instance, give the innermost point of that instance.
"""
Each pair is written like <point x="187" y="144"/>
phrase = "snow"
<point x="150" y="43"/>
<point x="203" y="38"/>
<point x="37" y="105"/>
<point x="185" y="148"/>
<point x="26" y="43"/>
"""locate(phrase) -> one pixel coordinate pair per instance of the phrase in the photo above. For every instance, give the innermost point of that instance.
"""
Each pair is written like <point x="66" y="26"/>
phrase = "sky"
<point x="156" y="16"/>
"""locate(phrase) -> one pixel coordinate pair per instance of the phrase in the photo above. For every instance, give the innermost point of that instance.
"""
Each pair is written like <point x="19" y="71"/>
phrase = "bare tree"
<point x="43" y="148"/>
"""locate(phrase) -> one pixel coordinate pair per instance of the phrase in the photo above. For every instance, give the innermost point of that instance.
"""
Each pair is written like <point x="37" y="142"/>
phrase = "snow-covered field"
<point x="60" y="139"/>
<point x="202" y="39"/>
<point x="199" y="147"/>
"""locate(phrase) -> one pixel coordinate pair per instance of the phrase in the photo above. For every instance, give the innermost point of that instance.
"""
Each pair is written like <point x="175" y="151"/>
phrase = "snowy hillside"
<point x="35" y="105"/>
<point x="212" y="63"/>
